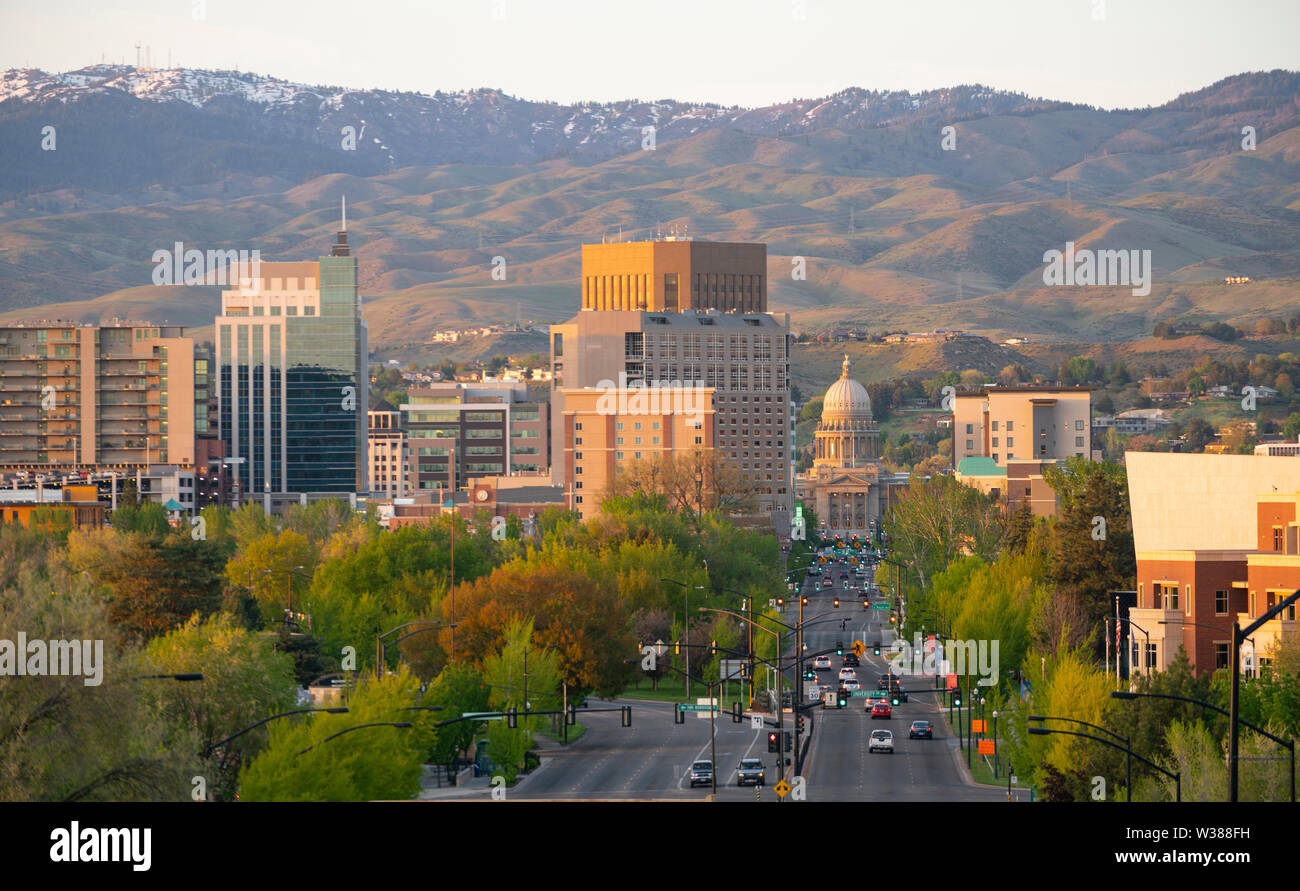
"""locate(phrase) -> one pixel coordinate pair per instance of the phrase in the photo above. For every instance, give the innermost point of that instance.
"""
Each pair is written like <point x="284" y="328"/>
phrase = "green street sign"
<point x="688" y="707"/>
<point x="484" y="716"/>
<point x="876" y="694"/>
<point x="864" y="694"/>
<point x="881" y="605"/>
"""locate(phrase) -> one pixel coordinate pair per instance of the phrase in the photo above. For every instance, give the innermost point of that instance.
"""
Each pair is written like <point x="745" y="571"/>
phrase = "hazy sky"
<point x="1110" y="53"/>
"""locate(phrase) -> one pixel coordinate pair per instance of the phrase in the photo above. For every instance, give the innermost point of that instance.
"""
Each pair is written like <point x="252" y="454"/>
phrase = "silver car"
<point x="881" y="740"/>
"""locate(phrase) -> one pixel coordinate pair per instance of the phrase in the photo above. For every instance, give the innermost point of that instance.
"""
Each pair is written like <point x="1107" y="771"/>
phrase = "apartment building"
<point x="606" y="430"/>
<point x="112" y="396"/>
<point x="1029" y="423"/>
<point x="386" y="444"/>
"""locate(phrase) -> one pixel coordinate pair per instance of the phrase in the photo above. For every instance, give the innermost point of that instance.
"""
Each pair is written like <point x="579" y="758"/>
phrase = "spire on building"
<point x="845" y="373"/>
<point x="341" y="245"/>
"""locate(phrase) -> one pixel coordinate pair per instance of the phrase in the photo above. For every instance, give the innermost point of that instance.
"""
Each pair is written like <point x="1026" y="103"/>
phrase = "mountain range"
<point x="905" y="210"/>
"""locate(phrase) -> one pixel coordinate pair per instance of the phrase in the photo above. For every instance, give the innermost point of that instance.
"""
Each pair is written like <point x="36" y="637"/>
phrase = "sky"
<point x="1107" y="53"/>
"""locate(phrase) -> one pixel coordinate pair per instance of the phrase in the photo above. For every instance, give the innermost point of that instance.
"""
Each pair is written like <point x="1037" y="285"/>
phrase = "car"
<point x="750" y="772"/>
<point x="882" y="740"/>
<point x="850" y="684"/>
<point x="920" y="730"/>
<point x="887" y="681"/>
<point x="846" y="673"/>
<point x="881" y="710"/>
<point x="701" y="773"/>
<point x="851" y="660"/>
<point x="822" y="663"/>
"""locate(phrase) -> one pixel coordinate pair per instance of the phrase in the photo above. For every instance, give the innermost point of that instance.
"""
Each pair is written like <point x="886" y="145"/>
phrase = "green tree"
<point x="458" y="689"/>
<point x="244" y="680"/>
<point x="367" y="764"/>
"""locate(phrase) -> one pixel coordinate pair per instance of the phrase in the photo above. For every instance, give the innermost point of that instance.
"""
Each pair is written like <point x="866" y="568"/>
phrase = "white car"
<point x="848" y="674"/>
<point x="822" y="663"/>
<point x="850" y="684"/>
<point x="882" y="740"/>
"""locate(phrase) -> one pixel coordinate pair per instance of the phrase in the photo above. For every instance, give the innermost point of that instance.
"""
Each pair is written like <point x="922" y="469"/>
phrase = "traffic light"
<point x="875" y="651"/>
<point x="866" y="603"/>
<point x="839" y="648"/>
<point x="836" y="603"/>
<point x="679" y="716"/>
<point x="956" y="697"/>
<point x="771" y="742"/>
<point x="895" y="700"/>
<point x="713" y="648"/>
<point x="677" y="648"/>
<point x="799" y="724"/>
<point x="841" y="699"/>
<point x="893" y="619"/>
<point x="780" y="601"/>
<point x="789" y="740"/>
<point x="512" y="718"/>
<point x="572" y="717"/>
<point x="805" y="601"/>
<point x="735" y="712"/>
<point x="627" y="716"/>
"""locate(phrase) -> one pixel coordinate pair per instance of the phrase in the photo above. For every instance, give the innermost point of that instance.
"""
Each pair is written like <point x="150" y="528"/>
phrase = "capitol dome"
<point x="846" y="398"/>
<point x="846" y="435"/>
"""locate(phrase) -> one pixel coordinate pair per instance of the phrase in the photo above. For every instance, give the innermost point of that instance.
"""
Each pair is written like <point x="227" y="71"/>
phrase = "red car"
<point x="882" y="710"/>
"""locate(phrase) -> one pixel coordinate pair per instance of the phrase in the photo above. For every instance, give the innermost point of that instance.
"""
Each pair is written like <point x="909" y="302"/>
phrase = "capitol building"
<point x="846" y="484"/>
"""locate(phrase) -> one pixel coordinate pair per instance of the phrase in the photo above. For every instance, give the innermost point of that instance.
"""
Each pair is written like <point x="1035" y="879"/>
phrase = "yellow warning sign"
<point x="782" y="789"/>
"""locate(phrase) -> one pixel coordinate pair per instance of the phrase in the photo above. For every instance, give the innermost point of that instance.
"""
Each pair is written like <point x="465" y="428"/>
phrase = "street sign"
<point x="755" y="722"/>
<point x="782" y="789"/>
<point x="688" y="707"/>
<point x="881" y="605"/>
<point x="1015" y="780"/>
<point x="859" y="648"/>
<point x="483" y="716"/>
<point x="952" y="681"/>
<point x="977" y="725"/>
<point x="986" y="746"/>
<point x="874" y="694"/>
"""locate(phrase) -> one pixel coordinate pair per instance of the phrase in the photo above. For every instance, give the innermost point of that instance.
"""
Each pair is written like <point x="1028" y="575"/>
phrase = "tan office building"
<point x="674" y="275"/>
<point x="86" y="395"/>
<point x="608" y="429"/>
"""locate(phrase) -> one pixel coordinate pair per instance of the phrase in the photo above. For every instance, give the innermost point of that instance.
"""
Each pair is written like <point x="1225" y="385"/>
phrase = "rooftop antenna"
<point x="344" y="227"/>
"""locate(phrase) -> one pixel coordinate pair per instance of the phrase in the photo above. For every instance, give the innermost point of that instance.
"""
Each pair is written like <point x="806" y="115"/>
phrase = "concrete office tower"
<point x="118" y="396"/>
<point x="292" y="380"/>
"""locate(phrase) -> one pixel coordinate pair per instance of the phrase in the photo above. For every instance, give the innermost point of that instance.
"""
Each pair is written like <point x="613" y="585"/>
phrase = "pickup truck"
<point x="701" y="773"/>
<point x="750" y="773"/>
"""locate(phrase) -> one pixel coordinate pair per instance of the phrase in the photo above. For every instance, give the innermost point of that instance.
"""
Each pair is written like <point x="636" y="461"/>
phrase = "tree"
<point x="1091" y="557"/>
<point x="694" y="482"/>
<point x="935" y="520"/>
<point x="458" y="689"/>
<point x="90" y="737"/>
<point x="148" y="519"/>
<point x="521" y="676"/>
<point x="244" y="680"/>
<point x="1198" y="434"/>
<point x="577" y="616"/>
<point x="368" y="764"/>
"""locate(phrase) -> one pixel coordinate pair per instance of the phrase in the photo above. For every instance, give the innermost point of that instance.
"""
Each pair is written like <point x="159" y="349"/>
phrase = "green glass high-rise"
<point x="292" y="386"/>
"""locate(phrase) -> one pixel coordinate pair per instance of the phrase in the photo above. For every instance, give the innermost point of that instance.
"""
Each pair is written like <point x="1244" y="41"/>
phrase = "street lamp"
<point x="400" y="724"/>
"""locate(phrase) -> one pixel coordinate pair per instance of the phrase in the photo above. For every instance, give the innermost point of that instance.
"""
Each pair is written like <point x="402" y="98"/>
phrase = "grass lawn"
<point x="575" y="733"/>
<point x="674" y="690"/>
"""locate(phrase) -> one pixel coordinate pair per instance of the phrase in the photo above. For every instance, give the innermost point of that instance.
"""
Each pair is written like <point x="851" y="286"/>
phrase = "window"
<point x="1009" y="428"/>
<point x="481" y="416"/>
<point x="995" y="442"/>
<point x="577" y="426"/>
<point x="1220" y="603"/>
<point x="1011" y="442"/>
<point x="1151" y="656"/>
<point x="1078" y="442"/>
<point x="1220" y="655"/>
<point x="970" y="445"/>
<point x="970" y="428"/>
<point x="578" y="484"/>
<point x="1279" y="539"/>
<point x="1078" y="425"/>
<point x="1166" y="595"/>
<point x="995" y="426"/>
